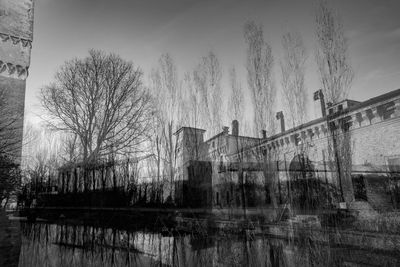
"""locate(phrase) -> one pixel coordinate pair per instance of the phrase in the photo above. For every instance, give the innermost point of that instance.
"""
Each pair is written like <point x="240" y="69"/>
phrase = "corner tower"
<point x="188" y="147"/>
<point x="16" y="34"/>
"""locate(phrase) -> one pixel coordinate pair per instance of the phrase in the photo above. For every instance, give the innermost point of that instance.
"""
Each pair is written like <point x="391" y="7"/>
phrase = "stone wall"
<point x="373" y="128"/>
<point x="16" y="33"/>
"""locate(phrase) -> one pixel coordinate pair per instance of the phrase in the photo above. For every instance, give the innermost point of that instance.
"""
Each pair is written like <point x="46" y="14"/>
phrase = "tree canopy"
<point x="100" y="99"/>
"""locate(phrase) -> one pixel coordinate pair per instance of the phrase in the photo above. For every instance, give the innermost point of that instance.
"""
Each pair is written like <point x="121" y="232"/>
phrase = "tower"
<point x="188" y="144"/>
<point x="16" y="32"/>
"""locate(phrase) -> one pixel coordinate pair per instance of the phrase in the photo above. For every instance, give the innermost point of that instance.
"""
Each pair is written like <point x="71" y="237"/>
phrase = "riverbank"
<point x="328" y="235"/>
<point x="203" y="221"/>
<point x="77" y="244"/>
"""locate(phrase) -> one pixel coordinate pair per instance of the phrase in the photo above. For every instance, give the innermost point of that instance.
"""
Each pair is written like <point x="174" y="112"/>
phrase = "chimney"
<point x="281" y="117"/>
<point x="319" y="95"/>
<point x="264" y="134"/>
<point x="225" y="129"/>
<point x="235" y="128"/>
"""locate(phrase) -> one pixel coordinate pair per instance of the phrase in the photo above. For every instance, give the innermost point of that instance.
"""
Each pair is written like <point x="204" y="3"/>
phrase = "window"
<point x="359" y="118"/>
<point x="332" y="126"/>
<point x="346" y="123"/>
<point x="310" y="133"/>
<point x="217" y="197"/>
<point x="370" y="114"/>
<point x="386" y="110"/>
<point x="394" y="180"/>
<point x="267" y="196"/>
<point x="360" y="192"/>
<point x="297" y="140"/>
<point x="340" y="108"/>
<point x="221" y="163"/>
<point x="394" y="165"/>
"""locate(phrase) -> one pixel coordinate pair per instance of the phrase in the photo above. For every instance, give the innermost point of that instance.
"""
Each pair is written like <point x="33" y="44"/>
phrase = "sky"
<point x="141" y="30"/>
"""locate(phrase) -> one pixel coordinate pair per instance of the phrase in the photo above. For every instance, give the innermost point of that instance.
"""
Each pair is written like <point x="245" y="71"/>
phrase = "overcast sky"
<point x="141" y="30"/>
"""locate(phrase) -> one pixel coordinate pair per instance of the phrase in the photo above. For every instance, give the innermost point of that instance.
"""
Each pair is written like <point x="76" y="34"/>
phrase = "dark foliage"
<point x="10" y="177"/>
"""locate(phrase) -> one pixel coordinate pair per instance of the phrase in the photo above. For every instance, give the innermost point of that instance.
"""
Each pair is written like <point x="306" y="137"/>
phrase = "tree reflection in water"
<point x="81" y="245"/>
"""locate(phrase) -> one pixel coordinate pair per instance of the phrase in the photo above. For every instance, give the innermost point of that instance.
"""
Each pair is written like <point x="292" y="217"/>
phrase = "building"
<point x="16" y="33"/>
<point x="349" y="157"/>
<point x="200" y="166"/>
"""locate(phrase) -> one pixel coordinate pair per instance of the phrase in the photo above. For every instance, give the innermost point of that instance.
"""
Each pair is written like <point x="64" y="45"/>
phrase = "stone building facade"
<point x="16" y="33"/>
<point x="349" y="157"/>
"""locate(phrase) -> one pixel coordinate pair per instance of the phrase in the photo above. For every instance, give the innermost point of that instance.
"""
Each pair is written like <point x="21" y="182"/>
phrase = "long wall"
<point x="367" y="132"/>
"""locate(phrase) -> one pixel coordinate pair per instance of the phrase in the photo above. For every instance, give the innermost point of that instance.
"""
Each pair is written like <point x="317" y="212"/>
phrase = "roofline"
<point x="376" y="99"/>
<point x="294" y="129"/>
<point x="360" y="105"/>
<point x="344" y="100"/>
<point x="248" y="137"/>
<point x="192" y="128"/>
<point x="213" y="137"/>
<point x="234" y="136"/>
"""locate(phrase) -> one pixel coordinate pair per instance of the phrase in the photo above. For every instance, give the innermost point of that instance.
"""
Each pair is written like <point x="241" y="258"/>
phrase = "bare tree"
<point x="259" y="77"/>
<point x="10" y="147"/>
<point x="10" y="178"/>
<point x="10" y="126"/>
<point x="293" y="73"/>
<point x="294" y="91"/>
<point x="236" y="101"/>
<point x="207" y="79"/>
<point x="336" y="74"/>
<point x="192" y="110"/>
<point x="71" y="148"/>
<point x="192" y="100"/>
<point x="166" y="95"/>
<point x="100" y="99"/>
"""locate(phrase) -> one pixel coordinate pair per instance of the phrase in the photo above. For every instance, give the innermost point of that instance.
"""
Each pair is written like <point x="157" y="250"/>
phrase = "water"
<point x="46" y="244"/>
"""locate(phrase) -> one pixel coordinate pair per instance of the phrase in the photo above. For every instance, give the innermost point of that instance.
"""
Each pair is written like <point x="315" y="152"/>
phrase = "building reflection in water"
<point x="76" y="245"/>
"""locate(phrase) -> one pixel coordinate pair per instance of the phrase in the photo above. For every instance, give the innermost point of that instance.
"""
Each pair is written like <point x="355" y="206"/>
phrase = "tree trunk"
<point x="114" y="179"/>
<point x="94" y="179"/>
<point x="242" y="189"/>
<point x="75" y="180"/>
<point x="171" y="157"/>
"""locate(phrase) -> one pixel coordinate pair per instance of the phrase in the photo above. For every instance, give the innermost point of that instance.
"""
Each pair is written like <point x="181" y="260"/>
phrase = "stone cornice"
<point x="15" y="40"/>
<point x="13" y="71"/>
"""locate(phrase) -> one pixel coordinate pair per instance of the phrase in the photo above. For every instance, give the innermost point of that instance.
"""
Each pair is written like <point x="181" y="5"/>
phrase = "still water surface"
<point x="45" y="244"/>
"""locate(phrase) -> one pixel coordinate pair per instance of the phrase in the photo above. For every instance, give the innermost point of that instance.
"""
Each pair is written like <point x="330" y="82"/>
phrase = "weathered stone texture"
<point x="15" y="93"/>
<point x="372" y="144"/>
<point x="16" y="33"/>
<point x="15" y="54"/>
<point x="16" y="18"/>
<point x="366" y="136"/>
<point x="14" y="106"/>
